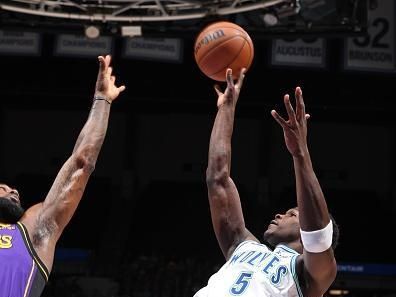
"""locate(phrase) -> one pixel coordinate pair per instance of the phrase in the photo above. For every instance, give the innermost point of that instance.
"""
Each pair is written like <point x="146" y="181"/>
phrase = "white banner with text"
<point x="299" y="52"/>
<point x="20" y="43"/>
<point x="163" y="49"/>
<point x="376" y="51"/>
<point x="74" y="45"/>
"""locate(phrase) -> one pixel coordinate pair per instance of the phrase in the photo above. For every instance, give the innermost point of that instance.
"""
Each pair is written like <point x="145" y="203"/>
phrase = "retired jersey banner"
<point x="75" y="45"/>
<point x="163" y="49"/>
<point x="376" y="51"/>
<point x="20" y="43"/>
<point x="305" y="53"/>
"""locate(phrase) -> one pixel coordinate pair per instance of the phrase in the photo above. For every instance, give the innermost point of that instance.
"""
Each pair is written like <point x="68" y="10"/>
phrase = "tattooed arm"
<point x="46" y="221"/>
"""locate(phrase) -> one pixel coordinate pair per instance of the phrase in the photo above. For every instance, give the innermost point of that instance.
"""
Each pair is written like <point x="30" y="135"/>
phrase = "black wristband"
<point x="102" y="98"/>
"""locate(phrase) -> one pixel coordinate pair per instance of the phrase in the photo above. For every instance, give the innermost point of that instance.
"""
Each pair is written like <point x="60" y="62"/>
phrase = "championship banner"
<point x="162" y="49"/>
<point x="376" y="51"/>
<point x="74" y="45"/>
<point x="20" y="43"/>
<point x="300" y="53"/>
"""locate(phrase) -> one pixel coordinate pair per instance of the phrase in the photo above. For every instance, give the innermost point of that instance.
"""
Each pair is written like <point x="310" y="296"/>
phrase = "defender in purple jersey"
<point x="28" y="238"/>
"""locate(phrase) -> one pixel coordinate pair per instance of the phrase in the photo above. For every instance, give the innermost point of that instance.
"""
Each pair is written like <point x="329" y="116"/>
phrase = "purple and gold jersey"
<point x="22" y="274"/>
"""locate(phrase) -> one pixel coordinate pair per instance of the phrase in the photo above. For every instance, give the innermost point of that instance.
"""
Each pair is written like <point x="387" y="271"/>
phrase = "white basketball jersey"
<point x="254" y="270"/>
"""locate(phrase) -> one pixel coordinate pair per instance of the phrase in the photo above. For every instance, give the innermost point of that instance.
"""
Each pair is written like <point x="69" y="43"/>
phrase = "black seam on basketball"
<point x="236" y="56"/>
<point x="250" y="52"/>
<point x="207" y="53"/>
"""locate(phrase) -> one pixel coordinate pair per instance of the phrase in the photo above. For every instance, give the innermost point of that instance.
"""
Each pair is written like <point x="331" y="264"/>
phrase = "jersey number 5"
<point x="241" y="283"/>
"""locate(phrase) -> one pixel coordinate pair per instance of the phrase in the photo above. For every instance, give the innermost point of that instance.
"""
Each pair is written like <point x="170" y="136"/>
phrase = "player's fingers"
<point x="241" y="77"/>
<point x="112" y="78"/>
<point x="218" y="90"/>
<point x="109" y="71"/>
<point x="300" y="106"/>
<point x="281" y="121"/>
<point x="289" y="108"/>
<point x="108" y="60"/>
<point x="230" y="81"/>
<point x="121" y="88"/>
<point x="102" y="64"/>
<point x="307" y="116"/>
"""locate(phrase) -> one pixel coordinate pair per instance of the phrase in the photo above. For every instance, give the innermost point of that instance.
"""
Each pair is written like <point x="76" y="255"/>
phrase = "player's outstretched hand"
<point x="295" y="128"/>
<point x="105" y="83"/>
<point x="231" y="93"/>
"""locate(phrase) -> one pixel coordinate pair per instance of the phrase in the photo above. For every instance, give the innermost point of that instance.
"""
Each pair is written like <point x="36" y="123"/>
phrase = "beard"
<point x="10" y="212"/>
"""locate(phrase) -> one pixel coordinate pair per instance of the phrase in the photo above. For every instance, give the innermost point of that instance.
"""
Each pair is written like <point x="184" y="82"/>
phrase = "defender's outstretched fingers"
<point x="109" y="71"/>
<point x="281" y="121"/>
<point x="307" y="116"/>
<point x="121" y="88"/>
<point x="102" y="65"/>
<point x="289" y="109"/>
<point x="108" y="60"/>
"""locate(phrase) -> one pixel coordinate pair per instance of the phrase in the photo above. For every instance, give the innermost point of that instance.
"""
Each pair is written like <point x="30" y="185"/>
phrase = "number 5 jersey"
<point x="254" y="270"/>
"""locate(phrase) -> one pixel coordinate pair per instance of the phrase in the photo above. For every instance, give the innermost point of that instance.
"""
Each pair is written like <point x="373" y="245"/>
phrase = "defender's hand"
<point x="231" y="93"/>
<point x="105" y="83"/>
<point x="295" y="128"/>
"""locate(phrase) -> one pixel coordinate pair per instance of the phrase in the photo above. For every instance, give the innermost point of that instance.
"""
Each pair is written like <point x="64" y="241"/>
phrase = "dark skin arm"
<point x="225" y="204"/>
<point x="319" y="269"/>
<point x="46" y="221"/>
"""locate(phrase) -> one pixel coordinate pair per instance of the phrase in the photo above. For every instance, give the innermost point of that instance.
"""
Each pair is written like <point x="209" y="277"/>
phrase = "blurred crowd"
<point x="140" y="276"/>
<point x="160" y="276"/>
<point x="156" y="275"/>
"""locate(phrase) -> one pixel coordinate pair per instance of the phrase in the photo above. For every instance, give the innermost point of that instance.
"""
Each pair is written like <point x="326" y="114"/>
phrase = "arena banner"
<point x="376" y="51"/>
<point x="299" y="52"/>
<point x="367" y="268"/>
<point x="81" y="46"/>
<point x="20" y="43"/>
<point x="160" y="49"/>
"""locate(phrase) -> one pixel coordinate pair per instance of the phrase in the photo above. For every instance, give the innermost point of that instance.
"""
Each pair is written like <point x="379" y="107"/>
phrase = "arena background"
<point x="143" y="227"/>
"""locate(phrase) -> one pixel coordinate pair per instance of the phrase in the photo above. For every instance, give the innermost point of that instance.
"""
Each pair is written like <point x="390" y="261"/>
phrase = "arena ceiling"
<point x="177" y="16"/>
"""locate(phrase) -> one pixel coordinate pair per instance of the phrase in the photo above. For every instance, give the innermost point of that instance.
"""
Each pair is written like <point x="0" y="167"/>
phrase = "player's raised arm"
<point x="316" y="227"/>
<point x="46" y="221"/>
<point x="225" y="205"/>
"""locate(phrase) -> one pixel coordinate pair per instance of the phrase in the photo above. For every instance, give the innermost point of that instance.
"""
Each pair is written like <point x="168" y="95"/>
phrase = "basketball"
<point x="223" y="45"/>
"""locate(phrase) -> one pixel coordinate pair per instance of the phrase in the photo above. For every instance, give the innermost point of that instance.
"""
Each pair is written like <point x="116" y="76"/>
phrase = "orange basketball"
<point x="223" y="45"/>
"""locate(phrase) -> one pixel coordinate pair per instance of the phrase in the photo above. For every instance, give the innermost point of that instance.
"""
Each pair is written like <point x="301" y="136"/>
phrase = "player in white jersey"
<point x="297" y="259"/>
